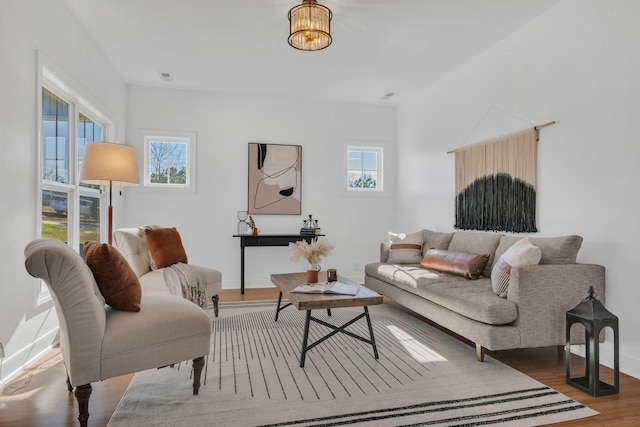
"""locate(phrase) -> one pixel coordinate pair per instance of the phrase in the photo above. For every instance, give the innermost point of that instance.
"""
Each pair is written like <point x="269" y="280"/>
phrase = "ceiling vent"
<point x="166" y="76"/>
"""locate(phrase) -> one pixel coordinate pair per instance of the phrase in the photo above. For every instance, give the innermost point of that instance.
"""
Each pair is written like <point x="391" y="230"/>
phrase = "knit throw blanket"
<point x="187" y="281"/>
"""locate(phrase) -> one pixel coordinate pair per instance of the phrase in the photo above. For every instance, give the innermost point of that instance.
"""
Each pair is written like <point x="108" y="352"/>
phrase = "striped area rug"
<point x="423" y="377"/>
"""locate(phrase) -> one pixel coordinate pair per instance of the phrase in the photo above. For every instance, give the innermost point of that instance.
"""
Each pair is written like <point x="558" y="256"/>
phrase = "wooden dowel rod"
<point x="544" y="125"/>
<point x="553" y="122"/>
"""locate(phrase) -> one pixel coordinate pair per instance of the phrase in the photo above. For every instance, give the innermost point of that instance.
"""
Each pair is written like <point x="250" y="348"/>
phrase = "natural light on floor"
<point x="415" y="348"/>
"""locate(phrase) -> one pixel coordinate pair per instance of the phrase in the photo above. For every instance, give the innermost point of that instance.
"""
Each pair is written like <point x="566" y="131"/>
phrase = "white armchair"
<point x="133" y="246"/>
<point x="98" y="342"/>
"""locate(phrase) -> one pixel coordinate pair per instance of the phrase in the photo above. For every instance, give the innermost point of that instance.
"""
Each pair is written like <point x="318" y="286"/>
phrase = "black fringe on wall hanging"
<point x="499" y="203"/>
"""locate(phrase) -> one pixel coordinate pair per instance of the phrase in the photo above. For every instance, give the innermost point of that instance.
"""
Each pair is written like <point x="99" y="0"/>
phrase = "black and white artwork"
<point x="275" y="179"/>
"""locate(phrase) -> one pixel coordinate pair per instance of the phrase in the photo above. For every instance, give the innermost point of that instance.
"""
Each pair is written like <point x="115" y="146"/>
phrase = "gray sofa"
<point x="531" y="315"/>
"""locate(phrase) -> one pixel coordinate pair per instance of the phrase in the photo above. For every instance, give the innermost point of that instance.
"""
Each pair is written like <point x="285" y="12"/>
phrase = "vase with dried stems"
<point x="313" y="252"/>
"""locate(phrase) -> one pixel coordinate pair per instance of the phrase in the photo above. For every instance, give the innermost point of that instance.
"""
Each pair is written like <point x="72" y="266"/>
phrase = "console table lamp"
<point x="108" y="163"/>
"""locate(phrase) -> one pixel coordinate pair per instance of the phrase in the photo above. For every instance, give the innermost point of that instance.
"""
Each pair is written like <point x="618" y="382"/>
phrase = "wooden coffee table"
<point x="365" y="297"/>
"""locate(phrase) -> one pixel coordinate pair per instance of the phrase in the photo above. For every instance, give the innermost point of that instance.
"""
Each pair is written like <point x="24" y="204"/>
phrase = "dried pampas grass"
<point x="313" y="252"/>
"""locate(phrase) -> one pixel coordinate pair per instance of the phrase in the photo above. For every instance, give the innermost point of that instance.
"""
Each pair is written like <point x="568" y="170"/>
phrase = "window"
<point x="364" y="168"/>
<point x="70" y="211"/>
<point x="169" y="160"/>
<point x="55" y="138"/>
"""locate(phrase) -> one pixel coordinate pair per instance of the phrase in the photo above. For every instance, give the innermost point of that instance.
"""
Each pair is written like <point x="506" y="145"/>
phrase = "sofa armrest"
<point x="544" y="293"/>
<point x="384" y="251"/>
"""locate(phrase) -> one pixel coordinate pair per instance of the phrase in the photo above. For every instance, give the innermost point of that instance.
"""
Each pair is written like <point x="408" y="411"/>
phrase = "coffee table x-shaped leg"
<point x="334" y="330"/>
<point x="371" y="340"/>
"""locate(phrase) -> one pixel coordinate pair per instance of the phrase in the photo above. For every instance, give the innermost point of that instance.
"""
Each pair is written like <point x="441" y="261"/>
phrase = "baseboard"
<point x="12" y="365"/>
<point x="628" y="364"/>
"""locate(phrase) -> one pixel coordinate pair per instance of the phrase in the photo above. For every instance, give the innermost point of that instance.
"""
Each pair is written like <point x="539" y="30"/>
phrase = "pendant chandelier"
<point x="310" y="26"/>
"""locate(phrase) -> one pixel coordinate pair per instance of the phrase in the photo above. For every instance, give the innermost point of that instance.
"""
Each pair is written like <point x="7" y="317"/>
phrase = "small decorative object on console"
<point x="310" y="227"/>
<point x="242" y="223"/>
<point x="252" y="225"/>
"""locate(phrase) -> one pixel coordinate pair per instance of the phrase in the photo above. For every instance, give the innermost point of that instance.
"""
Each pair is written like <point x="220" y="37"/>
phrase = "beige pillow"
<point x="165" y="247"/>
<point x="520" y="253"/>
<point x="405" y="248"/>
<point x="116" y="279"/>
<point x="458" y="263"/>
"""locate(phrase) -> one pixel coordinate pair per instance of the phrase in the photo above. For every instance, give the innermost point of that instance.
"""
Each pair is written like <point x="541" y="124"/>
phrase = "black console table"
<point x="267" y="240"/>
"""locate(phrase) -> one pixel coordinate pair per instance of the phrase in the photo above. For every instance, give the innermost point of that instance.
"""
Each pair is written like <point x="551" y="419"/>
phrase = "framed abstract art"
<point x="275" y="179"/>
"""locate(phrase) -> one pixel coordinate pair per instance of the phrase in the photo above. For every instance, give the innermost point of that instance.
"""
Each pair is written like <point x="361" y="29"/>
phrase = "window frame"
<point x="184" y="137"/>
<point x="49" y="77"/>
<point x="379" y="150"/>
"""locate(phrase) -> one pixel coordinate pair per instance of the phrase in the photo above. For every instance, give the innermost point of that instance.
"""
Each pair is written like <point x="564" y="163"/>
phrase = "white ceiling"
<point x="240" y="46"/>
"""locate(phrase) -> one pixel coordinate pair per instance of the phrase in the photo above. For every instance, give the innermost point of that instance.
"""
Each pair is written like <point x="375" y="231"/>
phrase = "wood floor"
<point x="39" y="397"/>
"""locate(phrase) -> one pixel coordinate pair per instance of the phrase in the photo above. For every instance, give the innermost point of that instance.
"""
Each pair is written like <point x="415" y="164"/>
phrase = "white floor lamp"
<point x="108" y="163"/>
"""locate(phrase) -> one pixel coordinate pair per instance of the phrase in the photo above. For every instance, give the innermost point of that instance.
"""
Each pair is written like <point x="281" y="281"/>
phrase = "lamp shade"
<point x="310" y="26"/>
<point x="107" y="162"/>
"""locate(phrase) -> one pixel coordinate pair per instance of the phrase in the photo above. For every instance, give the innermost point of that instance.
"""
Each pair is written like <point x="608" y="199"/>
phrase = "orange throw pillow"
<point x="165" y="247"/>
<point x="116" y="279"/>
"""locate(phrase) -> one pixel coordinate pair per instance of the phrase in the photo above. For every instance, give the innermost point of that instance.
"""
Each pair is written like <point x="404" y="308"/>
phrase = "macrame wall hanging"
<point x="496" y="183"/>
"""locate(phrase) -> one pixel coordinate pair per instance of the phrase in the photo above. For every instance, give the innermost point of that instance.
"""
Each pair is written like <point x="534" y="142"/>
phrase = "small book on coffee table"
<point x="337" y="287"/>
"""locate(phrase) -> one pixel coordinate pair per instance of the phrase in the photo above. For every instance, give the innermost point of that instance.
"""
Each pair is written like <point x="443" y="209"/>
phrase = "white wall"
<point x="577" y="64"/>
<point x="26" y="330"/>
<point x="225" y="124"/>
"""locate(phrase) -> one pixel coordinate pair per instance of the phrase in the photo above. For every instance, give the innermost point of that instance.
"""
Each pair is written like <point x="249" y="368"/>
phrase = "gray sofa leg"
<point x="214" y="300"/>
<point x="480" y="353"/>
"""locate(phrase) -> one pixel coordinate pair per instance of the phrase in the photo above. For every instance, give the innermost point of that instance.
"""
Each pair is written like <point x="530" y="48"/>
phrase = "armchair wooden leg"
<point x="83" y="392"/>
<point x="214" y="300"/>
<point x="69" y="386"/>
<point x="198" y="364"/>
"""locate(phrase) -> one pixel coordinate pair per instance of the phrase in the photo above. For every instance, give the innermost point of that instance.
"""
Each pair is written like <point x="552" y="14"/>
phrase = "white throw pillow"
<point x="405" y="248"/>
<point x="520" y="253"/>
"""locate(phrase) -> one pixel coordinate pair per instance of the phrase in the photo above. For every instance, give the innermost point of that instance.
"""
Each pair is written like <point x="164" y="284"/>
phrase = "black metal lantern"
<point x="594" y="317"/>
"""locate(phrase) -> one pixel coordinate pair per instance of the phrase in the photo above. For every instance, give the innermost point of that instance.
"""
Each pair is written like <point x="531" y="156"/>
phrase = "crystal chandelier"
<point x="310" y="26"/>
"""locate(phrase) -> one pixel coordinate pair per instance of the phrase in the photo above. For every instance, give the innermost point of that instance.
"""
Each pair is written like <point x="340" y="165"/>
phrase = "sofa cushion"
<point x="405" y="248"/>
<point x="116" y="280"/>
<point x="555" y="250"/>
<point x="407" y="276"/>
<point x="165" y="247"/>
<point x="520" y="253"/>
<point x="435" y="240"/>
<point x="457" y="263"/>
<point x="472" y="299"/>
<point x="477" y="243"/>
